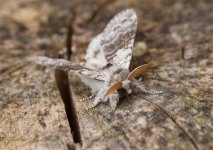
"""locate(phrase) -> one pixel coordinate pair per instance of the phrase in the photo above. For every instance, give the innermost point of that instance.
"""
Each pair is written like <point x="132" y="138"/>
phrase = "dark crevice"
<point x="69" y="37"/>
<point x="188" y="136"/>
<point x="62" y="81"/>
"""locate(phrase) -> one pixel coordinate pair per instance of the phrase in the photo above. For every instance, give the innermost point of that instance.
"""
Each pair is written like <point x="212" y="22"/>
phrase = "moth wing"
<point x="114" y="45"/>
<point x="95" y="57"/>
<point x="118" y="38"/>
<point x="65" y="65"/>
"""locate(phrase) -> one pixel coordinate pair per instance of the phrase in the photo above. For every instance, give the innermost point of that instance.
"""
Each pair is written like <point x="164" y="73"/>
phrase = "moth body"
<point x="107" y="60"/>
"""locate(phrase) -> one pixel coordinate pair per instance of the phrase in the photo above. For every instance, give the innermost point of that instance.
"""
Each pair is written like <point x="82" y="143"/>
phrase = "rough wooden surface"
<point x="32" y="114"/>
<point x="176" y="36"/>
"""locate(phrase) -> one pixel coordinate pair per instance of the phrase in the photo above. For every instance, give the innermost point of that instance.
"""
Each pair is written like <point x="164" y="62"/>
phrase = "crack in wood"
<point x="62" y="81"/>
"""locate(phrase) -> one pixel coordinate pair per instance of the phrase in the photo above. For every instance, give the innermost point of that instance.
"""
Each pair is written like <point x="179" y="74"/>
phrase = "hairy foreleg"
<point x="139" y="87"/>
<point x="113" y="101"/>
<point x="98" y="99"/>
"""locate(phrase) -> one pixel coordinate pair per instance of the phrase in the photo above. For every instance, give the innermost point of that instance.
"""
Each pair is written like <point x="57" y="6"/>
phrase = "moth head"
<point x="126" y="83"/>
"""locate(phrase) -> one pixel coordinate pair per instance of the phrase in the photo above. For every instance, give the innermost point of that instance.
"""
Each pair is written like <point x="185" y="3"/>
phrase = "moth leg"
<point x="113" y="101"/>
<point x="154" y="92"/>
<point x="139" y="87"/>
<point x="98" y="99"/>
<point x="90" y="107"/>
<point x="88" y="98"/>
<point x="144" y="90"/>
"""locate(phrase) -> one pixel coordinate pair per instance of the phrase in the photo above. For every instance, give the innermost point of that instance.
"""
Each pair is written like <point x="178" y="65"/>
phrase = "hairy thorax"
<point x="118" y="75"/>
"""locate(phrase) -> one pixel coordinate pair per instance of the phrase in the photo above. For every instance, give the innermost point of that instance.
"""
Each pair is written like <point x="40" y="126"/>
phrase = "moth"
<point x="107" y="60"/>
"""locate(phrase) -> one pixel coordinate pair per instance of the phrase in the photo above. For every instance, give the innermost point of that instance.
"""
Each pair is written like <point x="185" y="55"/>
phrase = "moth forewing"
<point x="114" y="45"/>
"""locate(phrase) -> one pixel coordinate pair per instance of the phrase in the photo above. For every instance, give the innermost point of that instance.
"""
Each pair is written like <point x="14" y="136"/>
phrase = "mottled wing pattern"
<point x="114" y="45"/>
<point x="95" y="57"/>
<point x="65" y="65"/>
<point x="118" y="38"/>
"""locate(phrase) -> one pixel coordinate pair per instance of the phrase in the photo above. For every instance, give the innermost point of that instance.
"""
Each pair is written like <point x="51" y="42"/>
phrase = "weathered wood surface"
<point x="31" y="111"/>
<point x="176" y="36"/>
